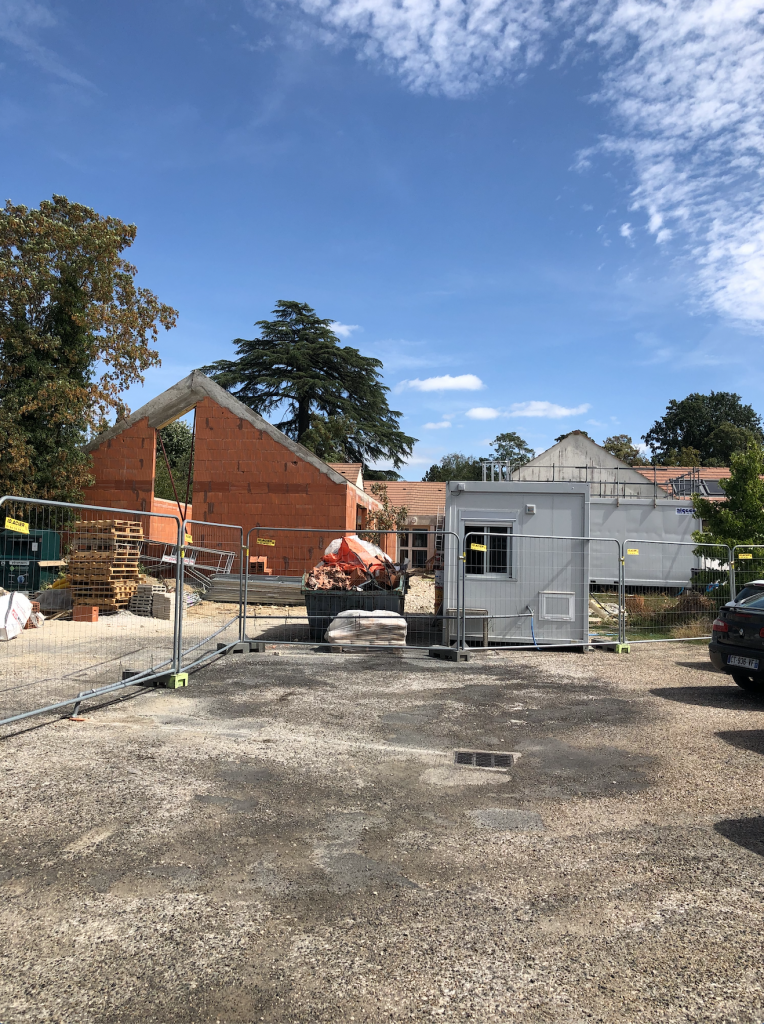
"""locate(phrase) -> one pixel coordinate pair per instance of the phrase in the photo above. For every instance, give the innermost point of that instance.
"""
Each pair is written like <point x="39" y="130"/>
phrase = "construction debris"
<point x="350" y="563"/>
<point x="103" y="565"/>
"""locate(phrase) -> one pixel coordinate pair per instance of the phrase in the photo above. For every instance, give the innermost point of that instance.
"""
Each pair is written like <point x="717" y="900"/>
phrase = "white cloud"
<point x="682" y="78"/>
<point x="466" y="382"/>
<point x="546" y="409"/>
<point x="437" y="426"/>
<point x="626" y="231"/>
<point x="483" y="413"/>
<point x="20" y="23"/>
<point x="344" y="330"/>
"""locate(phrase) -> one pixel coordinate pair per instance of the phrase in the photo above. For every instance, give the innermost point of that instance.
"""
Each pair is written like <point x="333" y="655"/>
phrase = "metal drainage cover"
<point x="484" y="758"/>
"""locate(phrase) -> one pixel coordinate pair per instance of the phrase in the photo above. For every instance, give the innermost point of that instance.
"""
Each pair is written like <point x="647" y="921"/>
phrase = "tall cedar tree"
<point x="709" y="428"/>
<point x="740" y="518"/>
<point x="336" y="403"/>
<point x="75" y="331"/>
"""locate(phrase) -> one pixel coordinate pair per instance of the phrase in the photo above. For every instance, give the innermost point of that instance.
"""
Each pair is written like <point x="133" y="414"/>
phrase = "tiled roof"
<point x="665" y="473"/>
<point x="352" y="471"/>
<point x="420" y="497"/>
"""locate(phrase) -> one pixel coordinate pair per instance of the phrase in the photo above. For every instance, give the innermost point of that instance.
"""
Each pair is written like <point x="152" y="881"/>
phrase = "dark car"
<point x="737" y="646"/>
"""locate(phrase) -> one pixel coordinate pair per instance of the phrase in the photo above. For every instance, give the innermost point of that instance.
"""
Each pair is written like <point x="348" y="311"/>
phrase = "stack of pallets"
<point x="103" y="565"/>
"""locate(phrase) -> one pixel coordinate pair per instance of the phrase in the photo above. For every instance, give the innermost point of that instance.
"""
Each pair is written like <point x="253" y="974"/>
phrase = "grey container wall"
<point x="548" y="576"/>
<point x="661" y="562"/>
<point x="324" y="605"/>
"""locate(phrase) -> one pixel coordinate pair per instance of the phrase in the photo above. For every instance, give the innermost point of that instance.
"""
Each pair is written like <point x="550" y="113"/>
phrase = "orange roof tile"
<point x="420" y="497"/>
<point x="352" y="471"/>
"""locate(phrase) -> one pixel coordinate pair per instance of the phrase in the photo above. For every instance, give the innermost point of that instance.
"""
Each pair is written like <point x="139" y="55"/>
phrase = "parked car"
<point x="737" y="644"/>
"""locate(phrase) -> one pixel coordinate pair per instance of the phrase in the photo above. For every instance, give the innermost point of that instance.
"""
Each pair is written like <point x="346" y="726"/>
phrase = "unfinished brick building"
<point x="246" y="473"/>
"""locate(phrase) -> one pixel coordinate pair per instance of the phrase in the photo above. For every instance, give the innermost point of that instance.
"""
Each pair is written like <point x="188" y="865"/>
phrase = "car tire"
<point x="747" y="682"/>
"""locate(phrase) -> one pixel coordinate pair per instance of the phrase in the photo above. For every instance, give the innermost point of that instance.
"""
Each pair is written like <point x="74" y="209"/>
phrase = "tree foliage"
<point x="563" y="436"/>
<point x="624" y="449"/>
<point x="740" y="518"/>
<point x="297" y="361"/>
<point x="389" y="517"/>
<point x="454" y="467"/>
<point x="178" y="443"/>
<point x="715" y="426"/>
<point x="75" y="332"/>
<point x="510" y="447"/>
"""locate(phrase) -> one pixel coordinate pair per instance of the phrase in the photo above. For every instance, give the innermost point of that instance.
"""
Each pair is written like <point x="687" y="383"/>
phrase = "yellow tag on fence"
<point x="189" y="539"/>
<point x="745" y="555"/>
<point x="477" y="547"/>
<point x="268" y="543"/>
<point x="632" y="551"/>
<point x="16" y="524"/>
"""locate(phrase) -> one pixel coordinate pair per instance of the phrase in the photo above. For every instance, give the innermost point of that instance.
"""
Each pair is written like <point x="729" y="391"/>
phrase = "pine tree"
<point x="298" y="361"/>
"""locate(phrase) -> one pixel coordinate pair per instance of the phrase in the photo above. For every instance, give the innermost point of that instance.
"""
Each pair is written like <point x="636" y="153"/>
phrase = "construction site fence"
<point x="170" y="593"/>
<point x="281" y="608"/>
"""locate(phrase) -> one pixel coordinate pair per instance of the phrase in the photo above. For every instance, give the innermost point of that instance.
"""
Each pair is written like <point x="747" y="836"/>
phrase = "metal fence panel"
<point x="681" y="608"/>
<point x="213" y="565"/>
<point x="99" y="628"/>
<point x="279" y="608"/>
<point x="518" y="590"/>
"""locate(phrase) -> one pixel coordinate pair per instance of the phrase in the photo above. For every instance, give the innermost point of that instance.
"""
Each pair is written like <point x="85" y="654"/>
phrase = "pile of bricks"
<point x="142" y="601"/>
<point x="103" y="565"/>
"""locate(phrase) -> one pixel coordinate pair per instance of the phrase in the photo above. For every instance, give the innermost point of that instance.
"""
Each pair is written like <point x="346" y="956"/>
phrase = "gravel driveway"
<point x="289" y="840"/>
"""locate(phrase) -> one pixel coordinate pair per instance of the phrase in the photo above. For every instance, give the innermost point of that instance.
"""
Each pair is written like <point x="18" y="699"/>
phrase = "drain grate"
<point x="484" y="758"/>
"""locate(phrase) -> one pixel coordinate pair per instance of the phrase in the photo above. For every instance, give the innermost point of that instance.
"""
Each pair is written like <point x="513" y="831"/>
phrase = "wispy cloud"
<point x="344" y="330"/>
<point x="483" y="412"/>
<point x="442" y="425"/>
<point x="465" y="382"/>
<point x="547" y="409"/>
<point x="20" y="23"/>
<point x="683" y="80"/>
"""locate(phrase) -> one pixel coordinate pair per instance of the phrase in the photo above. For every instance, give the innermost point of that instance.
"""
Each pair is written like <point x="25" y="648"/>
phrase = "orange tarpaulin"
<point x="352" y="553"/>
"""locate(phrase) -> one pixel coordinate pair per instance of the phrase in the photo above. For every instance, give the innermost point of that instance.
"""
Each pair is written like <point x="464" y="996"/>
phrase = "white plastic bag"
<point x="364" y="627"/>
<point x="15" y="609"/>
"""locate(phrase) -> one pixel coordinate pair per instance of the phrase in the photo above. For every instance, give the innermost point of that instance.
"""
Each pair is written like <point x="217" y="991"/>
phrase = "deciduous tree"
<point x="740" y="518"/>
<point x="455" y="467"/>
<point x="75" y="332"/>
<point x="510" y="447"/>
<point x="715" y="425"/>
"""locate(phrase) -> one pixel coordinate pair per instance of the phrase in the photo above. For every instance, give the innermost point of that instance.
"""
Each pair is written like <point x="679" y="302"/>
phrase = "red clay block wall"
<point x="124" y="469"/>
<point x="244" y="476"/>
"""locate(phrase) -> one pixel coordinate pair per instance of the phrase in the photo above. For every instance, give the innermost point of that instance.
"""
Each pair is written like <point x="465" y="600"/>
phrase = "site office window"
<point x="488" y="550"/>
<point x="414" y="548"/>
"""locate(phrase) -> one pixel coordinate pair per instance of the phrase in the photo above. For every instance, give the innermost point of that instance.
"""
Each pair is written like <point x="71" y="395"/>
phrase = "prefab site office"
<point x="526" y="571"/>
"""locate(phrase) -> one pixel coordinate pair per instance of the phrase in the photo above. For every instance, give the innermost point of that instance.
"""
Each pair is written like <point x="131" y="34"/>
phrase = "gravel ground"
<point x="288" y="840"/>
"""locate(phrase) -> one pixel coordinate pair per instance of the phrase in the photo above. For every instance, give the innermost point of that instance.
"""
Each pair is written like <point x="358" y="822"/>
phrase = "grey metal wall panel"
<point x="557" y="568"/>
<point x="658" y="564"/>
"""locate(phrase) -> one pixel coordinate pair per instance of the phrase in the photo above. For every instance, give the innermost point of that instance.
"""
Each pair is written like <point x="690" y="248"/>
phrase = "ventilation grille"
<point x="484" y="758"/>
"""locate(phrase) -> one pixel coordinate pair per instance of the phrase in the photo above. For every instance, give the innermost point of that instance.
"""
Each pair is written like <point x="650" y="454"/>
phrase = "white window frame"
<point x="543" y="614"/>
<point x="484" y="525"/>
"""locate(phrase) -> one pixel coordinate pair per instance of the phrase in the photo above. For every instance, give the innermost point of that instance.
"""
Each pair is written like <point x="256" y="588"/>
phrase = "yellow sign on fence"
<point x="745" y="554"/>
<point x="189" y="539"/>
<point x="16" y="524"/>
<point x="477" y="547"/>
<point x="268" y="543"/>
<point x="632" y="551"/>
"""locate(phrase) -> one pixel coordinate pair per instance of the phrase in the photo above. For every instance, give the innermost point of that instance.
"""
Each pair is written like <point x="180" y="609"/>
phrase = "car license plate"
<point x="735" y="659"/>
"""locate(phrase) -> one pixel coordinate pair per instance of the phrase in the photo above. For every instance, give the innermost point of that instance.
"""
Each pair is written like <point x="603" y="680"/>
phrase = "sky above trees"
<point x="539" y="216"/>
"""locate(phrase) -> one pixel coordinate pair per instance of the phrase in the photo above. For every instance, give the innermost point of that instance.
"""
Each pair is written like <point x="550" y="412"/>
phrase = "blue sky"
<point x="539" y="215"/>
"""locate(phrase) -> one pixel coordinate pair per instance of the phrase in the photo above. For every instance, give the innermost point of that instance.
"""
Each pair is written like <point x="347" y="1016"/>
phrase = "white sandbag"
<point x="365" y="627"/>
<point x="15" y="609"/>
